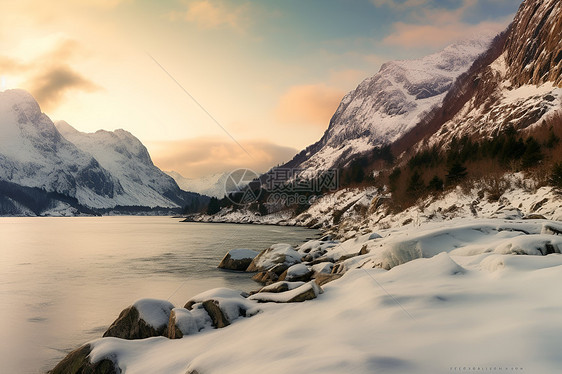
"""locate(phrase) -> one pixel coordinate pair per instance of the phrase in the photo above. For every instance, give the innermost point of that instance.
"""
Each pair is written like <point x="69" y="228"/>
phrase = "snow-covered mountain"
<point x="100" y="170"/>
<point x="521" y="87"/>
<point x="211" y="185"/>
<point x="128" y="161"/>
<point x="34" y="154"/>
<point x="385" y="106"/>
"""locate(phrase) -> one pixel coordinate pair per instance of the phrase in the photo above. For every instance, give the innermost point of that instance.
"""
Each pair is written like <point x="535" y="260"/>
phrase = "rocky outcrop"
<point x="307" y="291"/>
<point x="277" y="254"/>
<point x="296" y="273"/>
<point x="218" y="317"/>
<point x="223" y="306"/>
<point x="184" y="322"/>
<point x="144" y="319"/>
<point x="78" y="362"/>
<point x="534" y="46"/>
<point x="238" y="259"/>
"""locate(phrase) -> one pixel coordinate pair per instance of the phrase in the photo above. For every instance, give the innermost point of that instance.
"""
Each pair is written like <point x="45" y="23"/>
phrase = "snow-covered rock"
<point x="238" y="259"/>
<point x="183" y="322"/>
<point x="297" y="273"/>
<point x="144" y="319"/>
<point x="223" y="305"/>
<point x="277" y="254"/>
<point x="307" y="291"/>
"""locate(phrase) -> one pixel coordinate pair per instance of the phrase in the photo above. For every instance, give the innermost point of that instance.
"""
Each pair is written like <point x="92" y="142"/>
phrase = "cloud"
<point x="401" y="5"/>
<point x="10" y="65"/>
<point x="205" y="156"/>
<point x="436" y="27"/>
<point x="435" y="36"/>
<point x="312" y="104"/>
<point x="48" y="77"/>
<point x="210" y="15"/>
<point x="50" y="86"/>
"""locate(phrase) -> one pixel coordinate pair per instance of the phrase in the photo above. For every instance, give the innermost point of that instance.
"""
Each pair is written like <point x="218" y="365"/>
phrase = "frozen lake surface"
<point x="64" y="280"/>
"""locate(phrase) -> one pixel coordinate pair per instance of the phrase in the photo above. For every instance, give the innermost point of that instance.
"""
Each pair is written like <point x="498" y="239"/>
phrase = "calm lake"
<point x="64" y="280"/>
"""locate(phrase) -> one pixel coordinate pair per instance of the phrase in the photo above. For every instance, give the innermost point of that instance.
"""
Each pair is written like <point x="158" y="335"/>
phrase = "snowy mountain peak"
<point x="385" y="106"/>
<point x="23" y="101"/>
<point x="100" y="170"/>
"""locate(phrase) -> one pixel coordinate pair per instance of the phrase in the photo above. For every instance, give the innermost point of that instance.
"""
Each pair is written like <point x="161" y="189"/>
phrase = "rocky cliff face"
<point x="534" y="47"/>
<point x="520" y="88"/>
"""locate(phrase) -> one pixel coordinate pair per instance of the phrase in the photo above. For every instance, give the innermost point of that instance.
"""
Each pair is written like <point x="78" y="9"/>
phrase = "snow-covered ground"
<point x="462" y="295"/>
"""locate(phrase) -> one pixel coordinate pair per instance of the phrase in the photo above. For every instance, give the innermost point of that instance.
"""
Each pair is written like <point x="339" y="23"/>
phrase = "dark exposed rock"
<point x="219" y="319"/>
<point x="307" y="291"/>
<point x="281" y="286"/>
<point x="78" y="362"/>
<point x="534" y="48"/>
<point x="130" y="325"/>
<point x="238" y="259"/>
<point x="534" y="216"/>
<point x="322" y="278"/>
<point x="364" y="250"/>
<point x="265" y="277"/>
<point x="536" y="206"/>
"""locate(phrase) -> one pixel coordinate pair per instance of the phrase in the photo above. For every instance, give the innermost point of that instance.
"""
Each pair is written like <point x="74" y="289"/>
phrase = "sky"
<point x="211" y="86"/>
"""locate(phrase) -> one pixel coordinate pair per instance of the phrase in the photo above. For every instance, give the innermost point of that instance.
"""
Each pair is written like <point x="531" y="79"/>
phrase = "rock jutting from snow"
<point x="277" y="254"/>
<point x="238" y="259"/>
<point x="296" y="273"/>
<point x="307" y="291"/>
<point x="144" y="319"/>
<point x="182" y="322"/>
<point x="78" y="362"/>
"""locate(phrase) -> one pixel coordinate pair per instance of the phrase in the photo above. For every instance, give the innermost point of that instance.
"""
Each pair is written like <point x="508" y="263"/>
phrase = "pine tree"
<point x="416" y="185"/>
<point x="556" y="177"/>
<point x="213" y="207"/>
<point x="532" y="155"/>
<point x="435" y="184"/>
<point x="456" y="173"/>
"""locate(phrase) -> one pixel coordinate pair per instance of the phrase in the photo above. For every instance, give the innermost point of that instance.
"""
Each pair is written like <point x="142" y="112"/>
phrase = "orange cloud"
<point x="209" y="15"/>
<point x="435" y="27"/>
<point x="436" y="36"/>
<point x="48" y="77"/>
<point x="312" y="104"/>
<point x="50" y="86"/>
<point x="200" y="157"/>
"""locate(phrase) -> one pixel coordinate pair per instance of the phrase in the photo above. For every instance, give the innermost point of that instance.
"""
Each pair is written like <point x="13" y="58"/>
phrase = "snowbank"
<point x="458" y="294"/>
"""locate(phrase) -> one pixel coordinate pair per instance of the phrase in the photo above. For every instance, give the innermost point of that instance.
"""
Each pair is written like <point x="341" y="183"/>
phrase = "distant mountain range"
<point x="211" y="185"/>
<point x="48" y="169"/>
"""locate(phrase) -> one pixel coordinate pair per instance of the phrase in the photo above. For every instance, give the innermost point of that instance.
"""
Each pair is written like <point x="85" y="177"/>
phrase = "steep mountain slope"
<point x="128" y="161"/>
<point x="385" y="106"/>
<point x="521" y="88"/>
<point x="212" y="185"/>
<point x="34" y="154"/>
